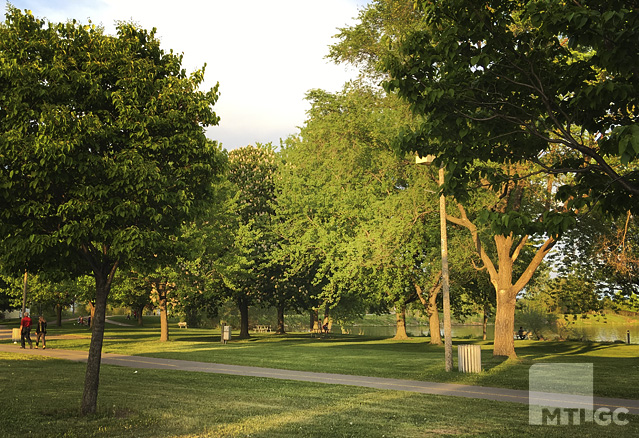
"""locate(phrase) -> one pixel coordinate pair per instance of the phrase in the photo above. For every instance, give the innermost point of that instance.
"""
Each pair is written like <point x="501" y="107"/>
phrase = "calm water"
<point x="597" y="333"/>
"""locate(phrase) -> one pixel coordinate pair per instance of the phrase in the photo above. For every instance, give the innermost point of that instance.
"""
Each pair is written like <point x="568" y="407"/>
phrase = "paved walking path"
<point x="5" y="333"/>
<point x="451" y="389"/>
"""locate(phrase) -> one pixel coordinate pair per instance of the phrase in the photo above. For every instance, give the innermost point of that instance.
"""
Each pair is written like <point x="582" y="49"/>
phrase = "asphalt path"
<point x="5" y="333"/>
<point x="447" y="389"/>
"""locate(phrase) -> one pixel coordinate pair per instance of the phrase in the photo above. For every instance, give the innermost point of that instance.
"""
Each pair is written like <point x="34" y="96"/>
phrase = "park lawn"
<point x="41" y="397"/>
<point x="616" y="366"/>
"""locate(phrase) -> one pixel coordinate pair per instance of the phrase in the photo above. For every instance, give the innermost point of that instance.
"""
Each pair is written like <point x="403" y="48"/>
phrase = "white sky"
<point x="266" y="54"/>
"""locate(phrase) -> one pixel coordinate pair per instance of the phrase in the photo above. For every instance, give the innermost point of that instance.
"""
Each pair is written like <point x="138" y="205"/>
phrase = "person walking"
<point x="41" y="332"/>
<point x="25" y="330"/>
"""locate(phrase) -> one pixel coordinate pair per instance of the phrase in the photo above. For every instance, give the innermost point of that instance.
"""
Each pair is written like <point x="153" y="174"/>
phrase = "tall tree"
<point x="330" y="180"/>
<point x="511" y="233"/>
<point x="252" y="171"/>
<point x="371" y="44"/>
<point x="103" y="153"/>
<point x="133" y="290"/>
<point x="362" y="217"/>
<point x="207" y="256"/>
<point x="471" y="73"/>
<point x="51" y="295"/>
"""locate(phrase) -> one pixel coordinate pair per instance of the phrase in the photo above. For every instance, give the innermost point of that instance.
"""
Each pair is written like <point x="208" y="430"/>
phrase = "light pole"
<point x="448" y="341"/>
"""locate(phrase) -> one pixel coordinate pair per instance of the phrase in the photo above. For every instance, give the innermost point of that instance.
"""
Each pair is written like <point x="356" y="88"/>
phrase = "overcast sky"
<point x="266" y="54"/>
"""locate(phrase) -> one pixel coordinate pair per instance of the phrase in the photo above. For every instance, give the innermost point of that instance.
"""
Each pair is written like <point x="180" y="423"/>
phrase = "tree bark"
<point x="139" y="310"/>
<point x="164" y="318"/>
<point x="58" y="314"/>
<point x="314" y="320"/>
<point x="280" y="320"/>
<point x="92" y="313"/>
<point x="400" y="318"/>
<point x="431" y="309"/>
<point x="103" y="280"/>
<point x="244" y="319"/>
<point x="504" y="344"/>
<point x="433" y="316"/>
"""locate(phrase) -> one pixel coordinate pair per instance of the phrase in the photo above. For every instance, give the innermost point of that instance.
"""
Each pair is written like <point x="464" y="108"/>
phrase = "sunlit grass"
<point x="616" y="366"/>
<point x="42" y="397"/>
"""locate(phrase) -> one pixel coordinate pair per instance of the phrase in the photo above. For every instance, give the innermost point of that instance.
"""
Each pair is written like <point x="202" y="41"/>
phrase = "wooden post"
<point x="448" y="341"/>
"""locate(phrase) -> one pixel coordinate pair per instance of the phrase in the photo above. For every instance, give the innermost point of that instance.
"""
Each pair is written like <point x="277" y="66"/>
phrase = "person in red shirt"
<point x="25" y="330"/>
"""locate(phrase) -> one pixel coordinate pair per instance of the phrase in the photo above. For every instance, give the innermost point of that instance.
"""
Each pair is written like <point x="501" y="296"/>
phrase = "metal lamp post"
<point x="448" y="341"/>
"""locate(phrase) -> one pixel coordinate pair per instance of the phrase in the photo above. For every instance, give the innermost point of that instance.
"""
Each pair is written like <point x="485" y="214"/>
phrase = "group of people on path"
<point x="25" y="331"/>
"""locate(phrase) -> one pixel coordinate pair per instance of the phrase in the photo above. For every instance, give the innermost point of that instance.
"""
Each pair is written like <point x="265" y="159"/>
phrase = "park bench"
<point x="516" y="335"/>
<point x="182" y="325"/>
<point x="262" y="328"/>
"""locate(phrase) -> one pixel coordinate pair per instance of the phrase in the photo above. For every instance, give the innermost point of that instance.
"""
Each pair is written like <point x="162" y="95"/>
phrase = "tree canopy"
<point x="549" y="82"/>
<point x="102" y="152"/>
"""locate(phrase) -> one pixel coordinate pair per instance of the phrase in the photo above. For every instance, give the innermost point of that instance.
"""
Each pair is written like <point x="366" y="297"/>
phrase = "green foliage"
<point x="357" y="217"/>
<point x="600" y="264"/>
<point x="252" y="172"/>
<point x="367" y="42"/>
<point x="575" y="295"/>
<point x="10" y="293"/>
<point x="533" y="81"/>
<point x="248" y="274"/>
<point x="102" y="147"/>
<point x="132" y="290"/>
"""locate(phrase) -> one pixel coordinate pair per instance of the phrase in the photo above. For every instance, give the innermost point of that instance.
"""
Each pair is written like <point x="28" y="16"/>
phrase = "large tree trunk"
<point x="508" y="251"/>
<point x="314" y="320"/>
<point x="58" y="314"/>
<point x="244" y="319"/>
<point x="103" y="280"/>
<point x="504" y="344"/>
<point x="400" y="318"/>
<point x="431" y="309"/>
<point x="280" y="320"/>
<point x="139" y="310"/>
<point x="164" y="317"/>
<point x="92" y="305"/>
<point x="433" y="317"/>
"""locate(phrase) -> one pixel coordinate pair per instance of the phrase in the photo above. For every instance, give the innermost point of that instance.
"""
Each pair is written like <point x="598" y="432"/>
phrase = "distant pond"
<point x="596" y="332"/>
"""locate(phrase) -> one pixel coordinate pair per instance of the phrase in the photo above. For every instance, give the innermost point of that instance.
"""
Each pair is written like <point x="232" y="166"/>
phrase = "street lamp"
<point x="448" y="341"/>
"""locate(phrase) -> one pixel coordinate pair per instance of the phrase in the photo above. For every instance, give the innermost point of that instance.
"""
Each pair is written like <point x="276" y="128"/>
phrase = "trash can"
<point x="469" y="358"/>
<point x="226" y="334"/>
<point x="15" y="335"/>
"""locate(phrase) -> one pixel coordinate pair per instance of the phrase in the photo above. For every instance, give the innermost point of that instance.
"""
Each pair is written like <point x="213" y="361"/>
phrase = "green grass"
<point x="616" y="365"/>
<point x="42" y="396"/>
